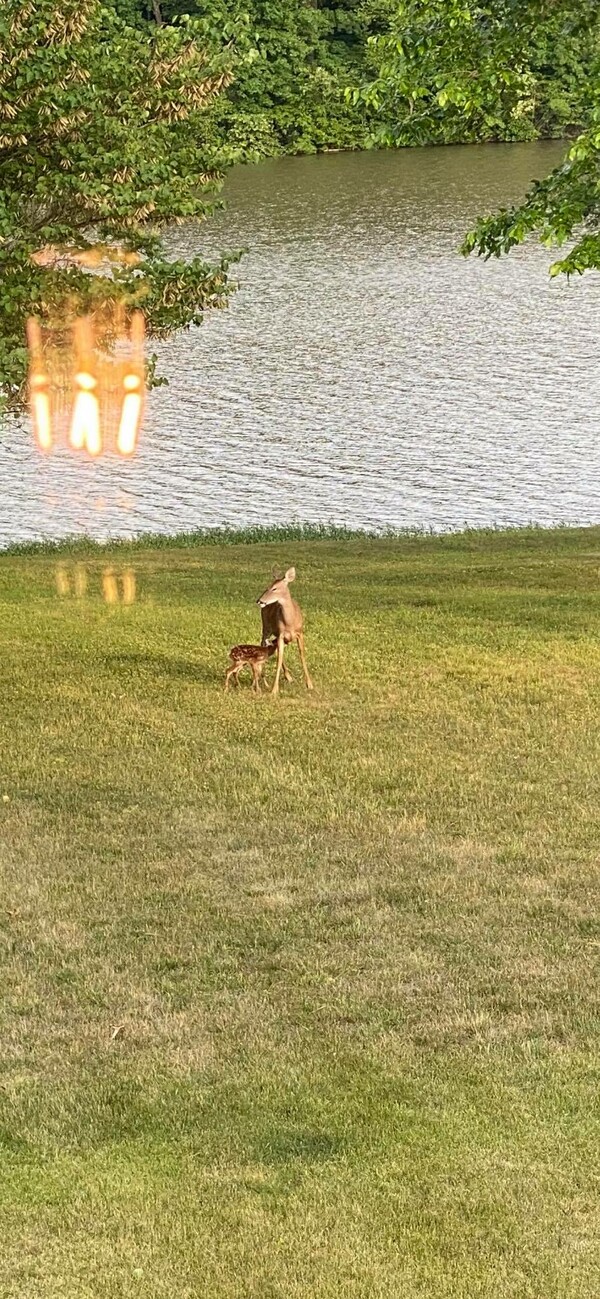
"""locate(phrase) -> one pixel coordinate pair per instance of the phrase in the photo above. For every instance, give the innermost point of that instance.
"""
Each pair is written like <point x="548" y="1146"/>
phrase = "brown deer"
<point x="282" y="618"/>
<point x="255" y="656"/>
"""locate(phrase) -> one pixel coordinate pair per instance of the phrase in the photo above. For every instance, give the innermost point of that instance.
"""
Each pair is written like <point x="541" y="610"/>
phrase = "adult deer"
<point x="282" y="618"/>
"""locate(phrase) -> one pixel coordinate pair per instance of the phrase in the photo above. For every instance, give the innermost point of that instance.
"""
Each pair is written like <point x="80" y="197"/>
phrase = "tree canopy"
<point x="117" y="118"/>
<point x="352" y="73"/>
<point x="103" y="141"/>
<point x="456" y="71"/>
<point x="291" y="96"/>
<point x="564" y="206"/>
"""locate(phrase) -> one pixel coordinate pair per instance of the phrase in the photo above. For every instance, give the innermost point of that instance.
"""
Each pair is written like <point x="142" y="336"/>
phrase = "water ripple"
<point x="365" y="373"/>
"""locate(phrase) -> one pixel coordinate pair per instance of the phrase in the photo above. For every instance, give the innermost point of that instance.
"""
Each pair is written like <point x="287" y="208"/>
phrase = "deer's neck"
<point x="289" y="604"/>
<point x="286" y="610"/>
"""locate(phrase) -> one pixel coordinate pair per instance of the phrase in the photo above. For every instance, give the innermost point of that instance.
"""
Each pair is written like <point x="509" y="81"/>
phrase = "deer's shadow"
<point x="161" y="665"/>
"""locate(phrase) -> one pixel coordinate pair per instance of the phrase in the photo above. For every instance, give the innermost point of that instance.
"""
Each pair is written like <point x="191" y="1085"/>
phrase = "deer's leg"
<point x="231" y="673"/>
<point x="256" y="675"/>
<point x="287" y="674"/>
<point x="309" y="684"/>
<point x="280" y="649"/>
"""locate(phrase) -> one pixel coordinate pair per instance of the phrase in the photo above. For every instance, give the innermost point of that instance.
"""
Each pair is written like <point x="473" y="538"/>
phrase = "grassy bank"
<point x="301" y="997"/>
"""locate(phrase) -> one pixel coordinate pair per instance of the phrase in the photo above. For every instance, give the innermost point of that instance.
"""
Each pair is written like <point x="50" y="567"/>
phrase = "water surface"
<point x="365" y="373"/>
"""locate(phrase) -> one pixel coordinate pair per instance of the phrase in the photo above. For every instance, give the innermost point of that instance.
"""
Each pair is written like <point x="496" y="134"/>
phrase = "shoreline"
<point x="252" y="535"/>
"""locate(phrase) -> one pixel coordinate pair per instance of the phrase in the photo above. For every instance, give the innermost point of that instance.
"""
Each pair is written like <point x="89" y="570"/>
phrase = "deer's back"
<point x="250" y="653"/>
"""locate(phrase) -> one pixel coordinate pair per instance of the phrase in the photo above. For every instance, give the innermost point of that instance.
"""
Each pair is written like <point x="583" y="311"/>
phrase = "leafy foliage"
<point x="349" y="73"/>
<point x="103" y="138"/>
<point x="452" y="71"/>
<point x="565" y="205"/>
<point x="290" y="97"/>
<point x="118" y="116"/>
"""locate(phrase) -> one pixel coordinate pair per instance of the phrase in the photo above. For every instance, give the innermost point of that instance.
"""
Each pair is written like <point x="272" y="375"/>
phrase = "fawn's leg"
<point x="287" y="674"/>
<point x="231" y="673"/>
<point x="309" y="684"/>
<point x="256" y="675"/>
<point x="280" y="649"/>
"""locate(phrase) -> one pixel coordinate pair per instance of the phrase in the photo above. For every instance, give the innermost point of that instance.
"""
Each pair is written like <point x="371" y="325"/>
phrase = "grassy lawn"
<point x="350" y="941"/>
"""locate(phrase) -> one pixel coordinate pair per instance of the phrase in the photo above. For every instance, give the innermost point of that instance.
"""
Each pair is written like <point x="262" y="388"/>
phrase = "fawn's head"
<point x="277" y="592"/>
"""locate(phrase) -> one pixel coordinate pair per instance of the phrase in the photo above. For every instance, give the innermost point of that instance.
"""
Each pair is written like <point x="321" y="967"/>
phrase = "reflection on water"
<point x="117" y="586"/>
<point x="365" y="373"/>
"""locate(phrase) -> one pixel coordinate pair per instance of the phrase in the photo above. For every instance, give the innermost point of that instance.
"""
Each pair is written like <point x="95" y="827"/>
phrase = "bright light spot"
<point x="130" y="416"/>
<point x="85" y="425"/>
<point x="106" y="409"/>
<point x="85" y="381"/>
<point x="41" y="417"/>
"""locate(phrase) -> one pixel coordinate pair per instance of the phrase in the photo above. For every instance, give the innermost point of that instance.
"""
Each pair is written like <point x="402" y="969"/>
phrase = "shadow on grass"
<point x="283" y="1146"/>
<point x="161" y="665"/>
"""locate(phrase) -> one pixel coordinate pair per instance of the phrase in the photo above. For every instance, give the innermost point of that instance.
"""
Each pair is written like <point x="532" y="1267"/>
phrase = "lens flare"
<point x="90" y="390"/>
<point x="81" y="582"/>
<point x="38" y="388"/>
<point x="131" y="413"/>
<point x="133" y="389"/>
<point x="85" y="424"/>
<point x="63" y="585"/>
<point x="118" y="586"/>
<point x="110" y="590"/>
<point x="40" y="403"/>
<point x="128" y="583"/>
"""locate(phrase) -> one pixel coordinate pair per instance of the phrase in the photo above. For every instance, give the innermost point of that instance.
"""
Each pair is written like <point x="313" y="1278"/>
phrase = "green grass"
<point x="219" y="536"/>
<point x="350" y="940"/>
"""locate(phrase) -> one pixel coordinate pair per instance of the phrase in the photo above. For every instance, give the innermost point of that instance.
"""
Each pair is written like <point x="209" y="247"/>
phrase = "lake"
<point x="364" y="374"/>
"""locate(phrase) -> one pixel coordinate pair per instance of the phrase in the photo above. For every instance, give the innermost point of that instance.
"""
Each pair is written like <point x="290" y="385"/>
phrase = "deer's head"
<point x="278" y="591"/>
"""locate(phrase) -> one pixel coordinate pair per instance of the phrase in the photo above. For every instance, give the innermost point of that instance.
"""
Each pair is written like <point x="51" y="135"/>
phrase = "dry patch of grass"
<point x="301" y="998"/>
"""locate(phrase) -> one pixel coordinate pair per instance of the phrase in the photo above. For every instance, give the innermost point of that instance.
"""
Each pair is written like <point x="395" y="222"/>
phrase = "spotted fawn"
<point x="255" y="656"/>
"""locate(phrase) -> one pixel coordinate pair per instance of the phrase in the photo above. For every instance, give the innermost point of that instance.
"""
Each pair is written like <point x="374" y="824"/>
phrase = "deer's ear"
<point x="277" y="574"/>
<point x="290" y="575"/>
